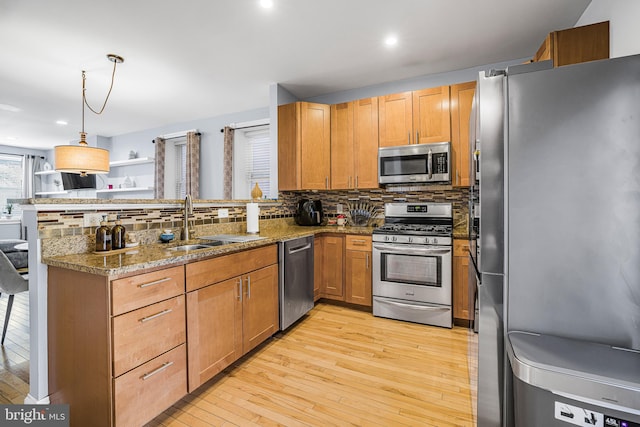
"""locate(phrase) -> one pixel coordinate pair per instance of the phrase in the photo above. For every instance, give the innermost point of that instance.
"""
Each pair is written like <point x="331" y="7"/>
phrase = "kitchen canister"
<point x="253" y="212"/>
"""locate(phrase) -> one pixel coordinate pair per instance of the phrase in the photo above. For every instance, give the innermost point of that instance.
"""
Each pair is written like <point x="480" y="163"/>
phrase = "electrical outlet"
<point x="92" y="219"/>
<point x="223" y="213"/>
<point x="339" y="208"/>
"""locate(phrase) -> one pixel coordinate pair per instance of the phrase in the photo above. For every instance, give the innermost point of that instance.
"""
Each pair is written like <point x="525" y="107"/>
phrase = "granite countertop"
<point x="144" y="257"/>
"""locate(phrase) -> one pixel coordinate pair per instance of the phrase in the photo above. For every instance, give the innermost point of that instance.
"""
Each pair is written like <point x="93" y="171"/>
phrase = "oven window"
<point x="403" y="165"/>
<point x="411" y="269"/>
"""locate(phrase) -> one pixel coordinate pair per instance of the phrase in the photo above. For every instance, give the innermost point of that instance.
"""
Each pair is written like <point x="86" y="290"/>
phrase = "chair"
<point x="11" y="283"/>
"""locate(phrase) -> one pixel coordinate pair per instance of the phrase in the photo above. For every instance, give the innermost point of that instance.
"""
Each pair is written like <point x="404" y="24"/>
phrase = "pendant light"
<point x="82" y="158"/>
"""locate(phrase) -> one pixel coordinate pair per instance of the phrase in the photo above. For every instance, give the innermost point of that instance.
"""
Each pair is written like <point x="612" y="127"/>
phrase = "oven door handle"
<point x="413" y="250"/>
<point x="414" y="306"/>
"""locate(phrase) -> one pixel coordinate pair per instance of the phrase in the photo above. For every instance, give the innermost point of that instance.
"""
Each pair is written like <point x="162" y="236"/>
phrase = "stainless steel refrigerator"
<point x="559" y="296"/>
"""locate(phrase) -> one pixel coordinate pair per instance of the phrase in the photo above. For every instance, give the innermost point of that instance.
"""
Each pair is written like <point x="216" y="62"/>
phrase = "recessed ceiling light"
<point x="391" y="40"/>
<point x="267" y="4"/>
<point x="7" y="107"/>
<point x="61" y="122"/>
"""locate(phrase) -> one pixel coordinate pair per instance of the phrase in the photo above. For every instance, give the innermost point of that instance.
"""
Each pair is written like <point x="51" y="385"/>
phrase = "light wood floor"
<point x="14" y="355"/>
<point x="336" y="367"/>
<point x="342" y="367"/>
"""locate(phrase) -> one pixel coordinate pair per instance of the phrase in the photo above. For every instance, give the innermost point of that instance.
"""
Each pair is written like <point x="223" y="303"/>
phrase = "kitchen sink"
<point x="196" y="246"/>
<point x="232" y="238"/>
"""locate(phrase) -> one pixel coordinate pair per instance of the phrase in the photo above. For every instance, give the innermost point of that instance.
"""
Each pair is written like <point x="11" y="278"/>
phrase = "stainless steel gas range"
<point x="412" y="254"/>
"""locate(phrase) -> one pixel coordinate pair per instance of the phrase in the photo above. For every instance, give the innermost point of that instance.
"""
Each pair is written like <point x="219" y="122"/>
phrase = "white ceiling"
<point x="193" y="59"/>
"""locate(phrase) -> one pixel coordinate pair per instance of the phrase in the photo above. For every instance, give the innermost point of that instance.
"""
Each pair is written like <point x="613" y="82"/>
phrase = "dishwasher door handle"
<point x="299" y="249"/>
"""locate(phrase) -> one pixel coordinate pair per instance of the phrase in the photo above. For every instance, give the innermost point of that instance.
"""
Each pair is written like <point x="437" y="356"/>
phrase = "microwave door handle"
<point x="429" y="159"/>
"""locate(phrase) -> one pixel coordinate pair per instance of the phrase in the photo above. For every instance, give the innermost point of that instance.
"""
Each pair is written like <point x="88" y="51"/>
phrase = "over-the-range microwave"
<point x="417" y="163"/>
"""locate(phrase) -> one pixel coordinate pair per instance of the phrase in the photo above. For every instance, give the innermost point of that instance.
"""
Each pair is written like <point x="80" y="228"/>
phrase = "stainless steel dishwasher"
<point x="296" y="279"/>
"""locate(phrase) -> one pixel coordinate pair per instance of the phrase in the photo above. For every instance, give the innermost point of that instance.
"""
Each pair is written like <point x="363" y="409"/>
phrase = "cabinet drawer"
<point x="358" y="243"/>
<point x="137" y="291"/>
<point x="460" y="247"/>
<point x="145" y="392"/>
<point x="147" y="332"/>
<point x="207" y="272"/>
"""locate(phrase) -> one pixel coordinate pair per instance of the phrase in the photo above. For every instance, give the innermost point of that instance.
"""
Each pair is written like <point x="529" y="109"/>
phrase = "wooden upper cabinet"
<point x="342" y="154"/>
<point x="431" y="115"/>
<point x="304" y="138"/>
<point x="574" y="45"/>
<point x="419" y="117"/>
<point x="365" y="142"/>
<point x="461" y="103"/>
<point x="354" y="144"/>
<point x="395" y="119"/>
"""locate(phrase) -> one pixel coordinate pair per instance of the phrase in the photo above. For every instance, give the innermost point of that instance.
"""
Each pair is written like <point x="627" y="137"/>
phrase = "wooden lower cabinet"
<point x="117" y="352"/>
<point x="333" y="263"/>
<point x="463" y="293"/>
<point x="358" y="270"/>
<point x="227" y="319"/>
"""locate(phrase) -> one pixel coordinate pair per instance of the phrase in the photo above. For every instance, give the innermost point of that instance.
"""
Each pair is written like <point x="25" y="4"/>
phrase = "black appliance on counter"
<point x="309" y="212"/>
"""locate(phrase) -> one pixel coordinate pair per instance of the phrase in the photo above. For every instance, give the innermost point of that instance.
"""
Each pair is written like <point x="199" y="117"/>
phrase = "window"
<point x="251" y="161"/>
<point x="175" y="177"/>
<point x="11" y="176"/>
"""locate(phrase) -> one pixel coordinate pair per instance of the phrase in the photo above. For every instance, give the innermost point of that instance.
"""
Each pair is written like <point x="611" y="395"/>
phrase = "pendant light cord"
<point x="84" y="98"/>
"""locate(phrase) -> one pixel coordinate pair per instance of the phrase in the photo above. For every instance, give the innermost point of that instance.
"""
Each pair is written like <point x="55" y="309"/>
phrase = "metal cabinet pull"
<point x="367" y="261"/>
<point x="240" y="288"/>
<point x="326" y="182"/>
<point x="358" y="242"/>
<point x="417" y="137"/>
<point x="155" y="371"/>
<point x="409" y="138"/>
<point x="356" y="182"/>
<point x="248" y="286"/>
<point x="153" y="316"/>
<point x="155" y="282"/>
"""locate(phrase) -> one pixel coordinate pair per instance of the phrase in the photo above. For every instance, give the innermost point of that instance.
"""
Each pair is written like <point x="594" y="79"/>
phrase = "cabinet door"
<point x="342" y="155"/>
<point x="395" y="119"/>
<point x="318" y="267"/>
<point x="431" y="121"/>
<point x="289" y="147"/>
<point x="214" y="326"/>
<point x="463" y="295"/>
<point x="260" y="315"/>
<point x="315" y="134"/>
<point x="333" y="271"/>
<point x="365" y="142"/>
<point x="358" y="277"/>
<point x="461" y="102"/>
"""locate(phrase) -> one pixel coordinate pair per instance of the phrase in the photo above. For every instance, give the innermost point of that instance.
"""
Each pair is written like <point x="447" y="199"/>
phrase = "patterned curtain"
<point x="159" y="184"/>
<point x="228" y="163"/>
<point x="193" y="164"/>
<point x="30" y="185"/>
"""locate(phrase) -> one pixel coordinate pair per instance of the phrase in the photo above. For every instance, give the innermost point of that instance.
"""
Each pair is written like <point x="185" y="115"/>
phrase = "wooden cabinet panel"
<point x="575" y="45"/>
<point x="135" y="334"/>
<point x="143" y="393"/>
<point x="365" y="142"/>
<point x="395" y="119"/>
<point x="461" y="103"/>
<point x="214" y="322"/>
<point x="318" y="267"/>
<point x="133" y="292"/>
<point x="315" y="137"/>
<point x="207" y="272"/>
<point x="260" y="316"/>
<point x="358" y="269"/>
<point x="342" y="154"/>
<point x="431" y="121"/>
<point x="304" y="138"/>
<point x="333" y="271"/>
<point x="463" y="293"/>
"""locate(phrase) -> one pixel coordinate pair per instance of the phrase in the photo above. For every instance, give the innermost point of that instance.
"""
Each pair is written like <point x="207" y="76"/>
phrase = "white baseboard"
<point x="30" y="400"/>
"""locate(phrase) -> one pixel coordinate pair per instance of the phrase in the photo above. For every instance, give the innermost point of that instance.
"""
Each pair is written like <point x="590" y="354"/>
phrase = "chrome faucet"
<point x="188" y="210"/>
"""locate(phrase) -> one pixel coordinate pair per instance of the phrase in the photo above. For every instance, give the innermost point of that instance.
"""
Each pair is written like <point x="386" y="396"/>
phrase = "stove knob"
<point x="386" y="238"/>
<point x="435" y="241"/>
<point x="410" y="239"/>
<point x="426" y="240"/>
<point x="395" y="239"/>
